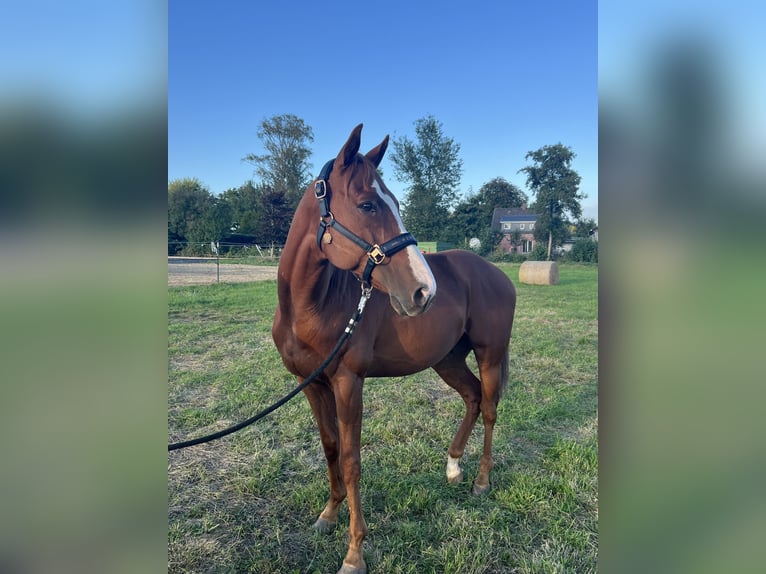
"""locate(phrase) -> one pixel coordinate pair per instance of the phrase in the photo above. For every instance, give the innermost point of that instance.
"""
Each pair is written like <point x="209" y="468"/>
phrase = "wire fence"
<point x="246" y="254"/>
<point x="256" y="254"/>
<point x="198" y="263"/>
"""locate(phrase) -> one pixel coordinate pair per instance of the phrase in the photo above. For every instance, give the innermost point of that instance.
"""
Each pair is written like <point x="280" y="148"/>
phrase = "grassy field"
<point x="245" y="503"/>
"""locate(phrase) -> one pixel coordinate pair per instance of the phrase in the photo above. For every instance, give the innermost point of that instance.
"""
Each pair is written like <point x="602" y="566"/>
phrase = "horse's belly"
<point x="395" y="368"/>
<point x="405" y="353"/>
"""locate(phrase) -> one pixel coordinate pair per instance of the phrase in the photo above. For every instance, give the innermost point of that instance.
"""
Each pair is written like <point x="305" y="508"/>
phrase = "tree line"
<point x="430" y="167"/>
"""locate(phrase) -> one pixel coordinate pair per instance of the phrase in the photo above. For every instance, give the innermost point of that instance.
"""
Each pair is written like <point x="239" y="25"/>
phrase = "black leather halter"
<point x="376" y="254"/>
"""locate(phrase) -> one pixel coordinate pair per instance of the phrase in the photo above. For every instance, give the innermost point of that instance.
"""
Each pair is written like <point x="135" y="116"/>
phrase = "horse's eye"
<point x="368" y="207"/>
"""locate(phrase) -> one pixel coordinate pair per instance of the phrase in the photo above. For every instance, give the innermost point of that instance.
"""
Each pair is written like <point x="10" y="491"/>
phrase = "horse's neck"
<point x="305" y="275"/>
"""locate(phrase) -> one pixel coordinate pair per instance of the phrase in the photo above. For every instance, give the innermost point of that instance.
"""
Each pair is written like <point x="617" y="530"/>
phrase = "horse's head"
<point x="364" y="231"/>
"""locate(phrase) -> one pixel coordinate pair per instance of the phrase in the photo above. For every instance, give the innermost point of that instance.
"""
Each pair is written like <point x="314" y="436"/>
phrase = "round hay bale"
<point x="539" y="273"/>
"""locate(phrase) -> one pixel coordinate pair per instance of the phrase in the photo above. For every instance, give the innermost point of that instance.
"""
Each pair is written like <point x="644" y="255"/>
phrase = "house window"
<point x="526" y="246"/>
<point x="521" y="226"/>
<point x="531" y="226"/>
<point x="506" y="226"/>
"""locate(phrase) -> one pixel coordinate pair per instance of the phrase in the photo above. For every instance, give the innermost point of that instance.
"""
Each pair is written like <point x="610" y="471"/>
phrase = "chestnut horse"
<point x="346" y="230"/>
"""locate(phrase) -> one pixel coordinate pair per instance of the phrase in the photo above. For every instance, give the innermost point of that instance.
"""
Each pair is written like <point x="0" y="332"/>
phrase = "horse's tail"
<point x="503" y="372"/>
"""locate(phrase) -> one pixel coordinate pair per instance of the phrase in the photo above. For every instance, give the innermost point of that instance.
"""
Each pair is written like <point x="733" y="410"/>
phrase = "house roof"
<point x="532" y="217"/>
<point x="515" y="214"/>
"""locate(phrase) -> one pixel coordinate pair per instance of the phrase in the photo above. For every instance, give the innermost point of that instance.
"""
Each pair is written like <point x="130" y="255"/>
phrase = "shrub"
<point x="505" y="257"/>
<point x="584" y="250"/>
<point x="196" y="250"/>
<point x="539" y="253"/>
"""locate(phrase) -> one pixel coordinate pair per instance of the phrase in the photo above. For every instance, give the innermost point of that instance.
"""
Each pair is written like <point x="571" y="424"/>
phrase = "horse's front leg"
<point x="322" y="401"/>
<point x="348" y="397"/>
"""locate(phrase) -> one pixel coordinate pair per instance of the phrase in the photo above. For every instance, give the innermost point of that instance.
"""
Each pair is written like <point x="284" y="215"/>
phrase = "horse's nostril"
<point x="422" y="297"/>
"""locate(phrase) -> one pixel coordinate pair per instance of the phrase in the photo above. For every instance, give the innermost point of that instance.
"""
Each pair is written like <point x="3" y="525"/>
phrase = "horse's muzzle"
<point x="423" y="298"/>
<point x="417" y="303"/>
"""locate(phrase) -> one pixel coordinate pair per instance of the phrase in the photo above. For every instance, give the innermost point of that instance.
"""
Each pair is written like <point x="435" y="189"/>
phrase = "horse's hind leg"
<point x="322" y="401"/>
<point x="493" y="367"/>
<point x="457" y="375"/>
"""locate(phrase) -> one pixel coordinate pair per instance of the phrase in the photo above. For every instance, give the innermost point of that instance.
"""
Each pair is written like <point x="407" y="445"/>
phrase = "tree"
<point x="556" y="188"/>
<point x="285" y="167"/>
<point x="194" y="215"/>
<point x="432" y="168"/>
<point x="188" y="204"/>
<point x="584" y="227"/>
<point x="466" y="221"/>
<point x="498" y="192"/>
<point x="213" y="225"/>
<point x="245" y="204"/>
<point x="274" y="217"/>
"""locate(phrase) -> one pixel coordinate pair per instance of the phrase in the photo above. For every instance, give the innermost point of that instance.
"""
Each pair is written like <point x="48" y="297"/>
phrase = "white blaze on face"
<point x="418" y="265"/>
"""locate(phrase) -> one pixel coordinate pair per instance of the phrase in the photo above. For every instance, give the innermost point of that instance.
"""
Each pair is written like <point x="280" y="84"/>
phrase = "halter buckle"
<point x="376" y="254"/>
<point x="320" y="189"/>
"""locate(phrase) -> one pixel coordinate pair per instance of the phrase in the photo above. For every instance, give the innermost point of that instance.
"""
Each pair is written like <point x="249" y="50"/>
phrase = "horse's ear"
<point x="351" y="147"/>
<point x="375" y="155"/>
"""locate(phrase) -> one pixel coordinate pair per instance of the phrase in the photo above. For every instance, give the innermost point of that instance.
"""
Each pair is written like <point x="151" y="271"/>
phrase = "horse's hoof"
<point x="456" y="478"/>
<point x="323" y="526"/>
<point x="348" y="569"/>
<point x="479" y="489"/>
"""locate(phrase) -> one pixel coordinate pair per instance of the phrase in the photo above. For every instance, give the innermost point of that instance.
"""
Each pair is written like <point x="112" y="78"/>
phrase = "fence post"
<point x="214" y="248"/>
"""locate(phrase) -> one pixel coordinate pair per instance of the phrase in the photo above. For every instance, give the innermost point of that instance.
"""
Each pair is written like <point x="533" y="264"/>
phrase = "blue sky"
<point x="84" y="57"/>
<point x="635" y="37"/>
<point x="504" y="78"/>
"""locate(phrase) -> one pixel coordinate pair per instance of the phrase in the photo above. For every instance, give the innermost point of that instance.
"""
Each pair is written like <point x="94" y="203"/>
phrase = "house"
<point x="517" y="224"/>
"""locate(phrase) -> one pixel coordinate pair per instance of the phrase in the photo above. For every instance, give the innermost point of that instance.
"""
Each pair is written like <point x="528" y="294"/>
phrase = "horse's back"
<point x="457" y="268"/>
<point x="488" y="294"/>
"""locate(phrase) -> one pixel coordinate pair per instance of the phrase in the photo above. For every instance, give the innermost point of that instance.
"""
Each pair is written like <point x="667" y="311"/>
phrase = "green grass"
<point x="246" y="503"/>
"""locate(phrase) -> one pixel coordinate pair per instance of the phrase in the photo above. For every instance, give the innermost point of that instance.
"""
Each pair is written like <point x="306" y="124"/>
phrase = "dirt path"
<point x="189" y="271"/>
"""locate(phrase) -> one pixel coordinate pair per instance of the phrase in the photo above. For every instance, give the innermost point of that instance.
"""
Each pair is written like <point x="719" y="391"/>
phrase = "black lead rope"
<point x="366" y="293"/>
